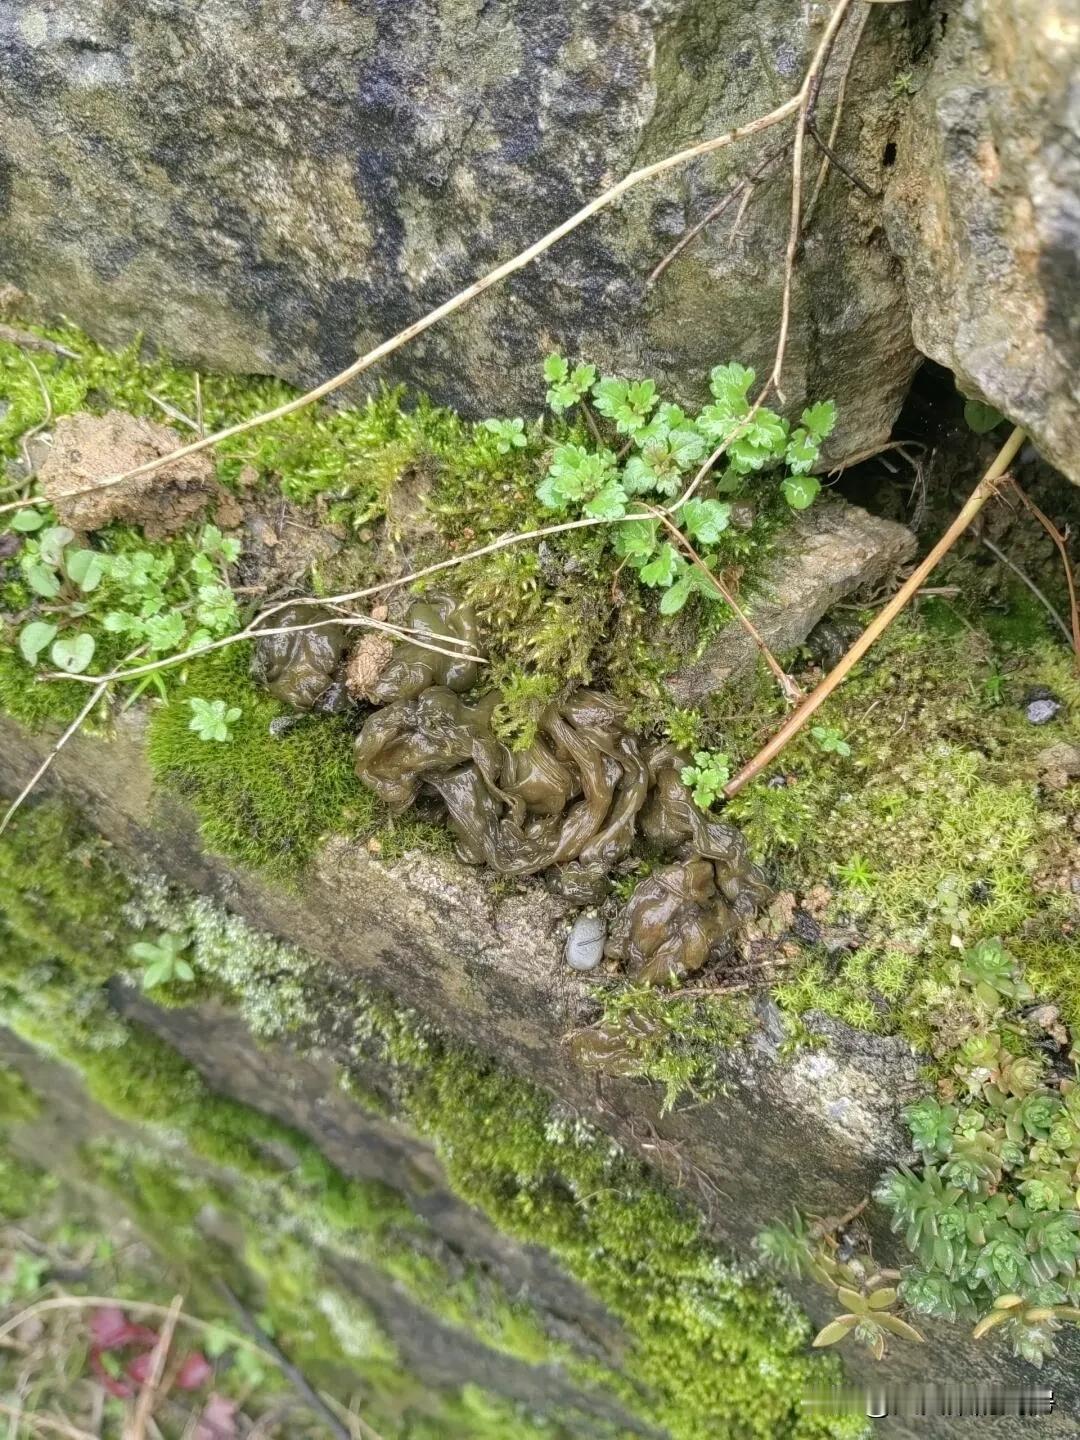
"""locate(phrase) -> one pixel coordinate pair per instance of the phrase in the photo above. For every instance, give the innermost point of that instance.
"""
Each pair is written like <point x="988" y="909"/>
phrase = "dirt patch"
<point x="87" y="450"/>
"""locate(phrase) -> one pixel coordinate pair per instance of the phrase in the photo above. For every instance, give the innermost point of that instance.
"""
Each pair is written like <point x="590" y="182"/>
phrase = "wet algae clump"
<point x="571" y="804"/>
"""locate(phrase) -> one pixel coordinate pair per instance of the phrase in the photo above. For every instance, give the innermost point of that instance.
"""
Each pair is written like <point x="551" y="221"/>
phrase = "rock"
<point x="89" y="449"/>
<point x="830" y="551"/>
<point x="1040" y="706"/>
<point x="277" y="188"/>
<point x="1058" y="764"/>
<point x="585" y="943"/>
<point x="984" y="212"/>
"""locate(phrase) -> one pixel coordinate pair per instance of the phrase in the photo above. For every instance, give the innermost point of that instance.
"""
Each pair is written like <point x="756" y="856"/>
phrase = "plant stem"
<point x="987" y="486"/>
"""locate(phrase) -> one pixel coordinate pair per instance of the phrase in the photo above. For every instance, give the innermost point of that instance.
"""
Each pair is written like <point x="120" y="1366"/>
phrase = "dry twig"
<point x="26" y="341"/>
<point x="297" y="1378"/>
<point x="1027" y="580"/>
<point x="144" y="1407"/>
<point x="790" y="690"/>
<point x="987" y="486"/>
<point x="1059" y="540"/>
<point x="98" y="694"/>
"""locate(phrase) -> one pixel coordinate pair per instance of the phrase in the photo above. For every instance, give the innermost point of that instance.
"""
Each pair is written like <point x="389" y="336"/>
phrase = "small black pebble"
<point x="10" y="542"/>
<point x="981" y="892"/>
<point x="282" y="724"/>
<point x="805" y="928"/>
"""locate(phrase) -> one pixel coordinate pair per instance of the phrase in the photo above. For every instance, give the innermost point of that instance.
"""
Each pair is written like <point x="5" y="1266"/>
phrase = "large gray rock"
<point x="274" y="188"/>
<point x="984" y="210"/>
<point x="828" y="552"/>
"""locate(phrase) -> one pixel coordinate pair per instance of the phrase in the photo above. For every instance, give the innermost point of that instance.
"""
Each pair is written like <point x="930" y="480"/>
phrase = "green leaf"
<point x="210" y="719"/>
<point x="662" y="568"/>
<point x="555" y="369"/>
<point x="27" y="521"/>
<point x="73" y="653"/>
<point x="157" y="974"/>
<point x="835" y="1331"/>
<point x="625" y="403"/>
<point x="33" y="639"/>
<point x="800" y="490"/>
<point x="982" y="418"/>
<point x="819" y="419"/>
<point x="802" y="452"/>
<point x="41" y="579"/>
<point x="673" y="600"/>
<point x="86" y="568"/>
<point x="636" y="540"/>
<point x="882" y="1299"/>
<point x="183" y="971"/>
<point x="730" y="384"/>
<point x="164" y="632"/>
<point x="145" y="950"/>
<point x="896" y="1326"/>
<point x="51" y="544"/>
<point x="550" y="495"/>
<point x="608" y="503"/>
<point x="705" y="520"/>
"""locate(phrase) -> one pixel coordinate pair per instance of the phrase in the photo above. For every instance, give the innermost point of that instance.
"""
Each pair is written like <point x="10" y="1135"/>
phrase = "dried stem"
<point x="298" y="1379"/>
<point x="834" y="129"/>
<point x="987" y="486"/>
<point x="463" y="297"/>
<point x="133" y="1307"/>
<point x="144" y="1407"/>
<point x="745" y="184"/>
<point x="99" y="692"/>
<point x="791" y="691"/>
<point x="255" y="631"/>
<point x="1027" y="580"/>
<point x="1059" y="540"/>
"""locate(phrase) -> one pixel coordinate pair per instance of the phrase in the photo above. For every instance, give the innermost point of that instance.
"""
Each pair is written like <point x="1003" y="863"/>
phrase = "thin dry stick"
<point x="463" y="297"/>
<point x="987" y="486"/>
<point x="99" y="692"/>
<point x="144" y="1407"/>
<point x="254" y="632"/>
<point x="834" y="129"/>
<point x="1059" y="540"/>
<point x="46" y="1422"/>
<point x="28" y="435"/>
<point x="133" y="1307"/>
<point x="26" y="341"/>
<point x="806" y="97"/>
<point x="787" y="685"/>
<point x="299" y="1380"/>
<point x="716" y="210"/>
<point x="1027" y="580"/>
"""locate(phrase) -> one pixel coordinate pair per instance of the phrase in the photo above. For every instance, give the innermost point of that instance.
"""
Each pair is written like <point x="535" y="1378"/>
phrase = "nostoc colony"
<point x="571" y="804"/>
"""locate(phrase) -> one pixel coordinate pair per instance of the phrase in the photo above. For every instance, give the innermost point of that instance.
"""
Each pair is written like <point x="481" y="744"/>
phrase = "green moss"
<point x="935" y="827"/>
<point x="677" y="1043"/>
<point x="713" y="1352"/>
<point x="265" y="799"/>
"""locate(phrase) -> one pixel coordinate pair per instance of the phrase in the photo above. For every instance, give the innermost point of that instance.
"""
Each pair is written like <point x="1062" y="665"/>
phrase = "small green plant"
<point x="654" y="448"/>
<point x="857" y="874"/>
<point x="831" y="740"/>
<point x="707" y="776"/>
<point x="980" y="417"/>
<point x="163" y="960"/>
<point x="156" y="606"/>
<point x="210" y="719"/>
<point x="509" y="434"/>
<point x="992" y="1218"/>
<point x="868" y="1295"/>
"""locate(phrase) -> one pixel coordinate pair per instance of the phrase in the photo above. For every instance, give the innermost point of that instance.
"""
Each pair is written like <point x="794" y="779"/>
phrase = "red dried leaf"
<point x="142" y="1367"/>
<point x="195" y="1371"/>
<point x="109" y="1328"/>
<point x="218" y="1419"/>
